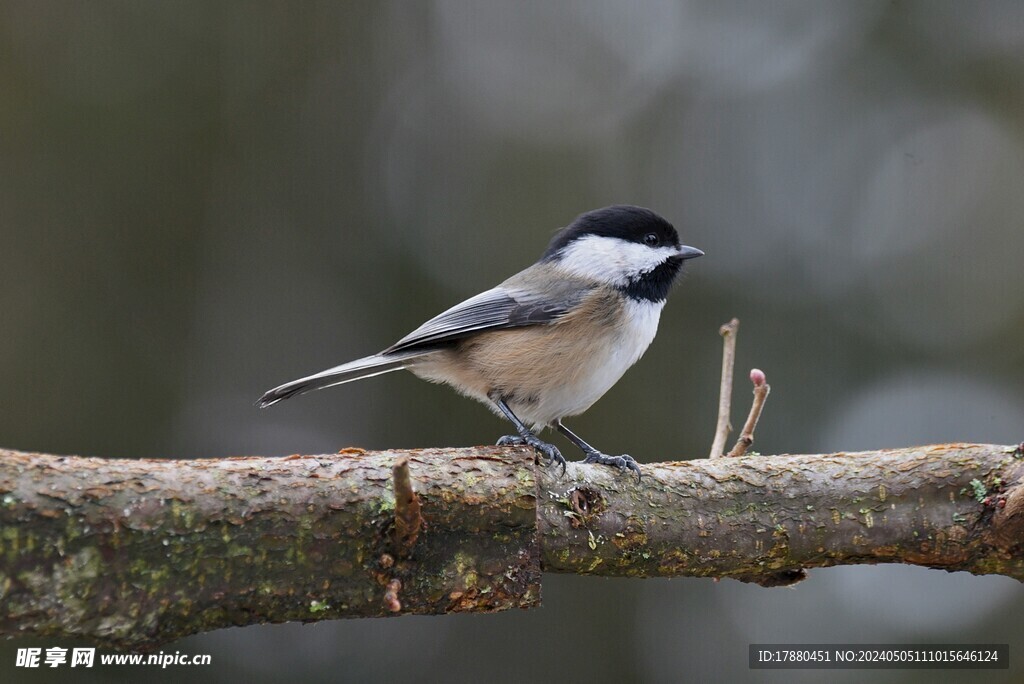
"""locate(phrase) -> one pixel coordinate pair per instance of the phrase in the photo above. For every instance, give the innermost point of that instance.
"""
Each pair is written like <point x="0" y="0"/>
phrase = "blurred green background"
<point x="199" y="201"/>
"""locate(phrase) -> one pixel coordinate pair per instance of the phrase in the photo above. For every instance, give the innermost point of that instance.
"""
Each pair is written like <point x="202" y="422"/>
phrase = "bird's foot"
<point x="549" y="452"/>
<point x="624" y="462"/>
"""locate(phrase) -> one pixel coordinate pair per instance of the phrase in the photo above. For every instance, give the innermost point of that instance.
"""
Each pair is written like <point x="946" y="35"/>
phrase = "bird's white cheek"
<point x="611" y="260"/>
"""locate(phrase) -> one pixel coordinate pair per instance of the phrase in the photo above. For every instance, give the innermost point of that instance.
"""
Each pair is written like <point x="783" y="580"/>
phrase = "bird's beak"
<point x="689" y="252"/>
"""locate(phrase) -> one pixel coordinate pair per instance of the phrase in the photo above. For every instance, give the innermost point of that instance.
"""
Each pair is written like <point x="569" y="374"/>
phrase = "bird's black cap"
<point x="622" y="221"/>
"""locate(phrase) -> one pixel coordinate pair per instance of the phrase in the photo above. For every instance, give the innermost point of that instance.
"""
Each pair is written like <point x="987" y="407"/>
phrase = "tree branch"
<point x="136" y="553"/>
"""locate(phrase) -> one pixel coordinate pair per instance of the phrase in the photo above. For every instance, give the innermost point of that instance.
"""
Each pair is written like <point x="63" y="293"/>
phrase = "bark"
<point x="139" y="552"/>
<point x="766" y="519"/>
<point x="136" y="552"/>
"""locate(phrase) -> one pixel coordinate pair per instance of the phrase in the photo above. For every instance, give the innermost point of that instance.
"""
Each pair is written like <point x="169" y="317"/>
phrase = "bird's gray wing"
<point x="512" y="304"/>
<point x="496" y="309"/>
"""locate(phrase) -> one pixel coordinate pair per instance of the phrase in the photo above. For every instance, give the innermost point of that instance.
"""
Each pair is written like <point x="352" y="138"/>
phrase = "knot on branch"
<point x="585" y="502"/>
<point x="408" y="519"/>
<point x="1008" y="519"/>
<point x="391" y="601"/>
<point x="783" y="578"/>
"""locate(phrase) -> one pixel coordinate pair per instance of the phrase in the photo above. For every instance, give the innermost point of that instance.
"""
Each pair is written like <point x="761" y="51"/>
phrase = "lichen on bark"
<point x="126" y="552"/>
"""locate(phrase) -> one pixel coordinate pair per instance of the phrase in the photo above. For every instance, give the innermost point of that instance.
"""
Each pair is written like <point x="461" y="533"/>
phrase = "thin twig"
<point x="723" y="428"/>
<point x="761" y="390"/>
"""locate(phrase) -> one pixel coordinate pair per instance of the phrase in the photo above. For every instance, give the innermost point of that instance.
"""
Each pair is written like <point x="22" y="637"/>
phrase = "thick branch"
<point x="142" y="552"/>
<point x="765" y="519"/>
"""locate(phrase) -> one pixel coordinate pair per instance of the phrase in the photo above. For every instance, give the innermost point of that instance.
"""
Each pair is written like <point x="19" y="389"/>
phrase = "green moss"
<point x="980" y="491"/>
<point x="9" y="545"/>
<point x="235" y="550"/>
<point x="86" y="564"/>
<point x="735" y="511"/>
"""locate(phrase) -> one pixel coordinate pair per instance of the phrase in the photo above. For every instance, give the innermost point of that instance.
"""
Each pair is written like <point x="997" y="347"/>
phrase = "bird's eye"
<point x="651" y="239"/>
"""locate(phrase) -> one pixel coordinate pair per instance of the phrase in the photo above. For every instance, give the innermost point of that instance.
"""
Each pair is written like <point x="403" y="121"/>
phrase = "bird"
<point x="549" y="341"/>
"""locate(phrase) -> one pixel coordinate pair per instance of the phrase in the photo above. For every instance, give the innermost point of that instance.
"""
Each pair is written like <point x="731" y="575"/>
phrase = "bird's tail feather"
<point x="347" y="372"/>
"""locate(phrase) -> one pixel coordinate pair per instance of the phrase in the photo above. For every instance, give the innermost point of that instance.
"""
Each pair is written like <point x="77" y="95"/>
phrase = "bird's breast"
<point x="550" y="372"/>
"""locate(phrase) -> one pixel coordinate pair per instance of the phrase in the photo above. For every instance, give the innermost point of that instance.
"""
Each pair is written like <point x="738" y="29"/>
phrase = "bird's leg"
<point x="548" y="451"/>
<point x="624" y="462"/>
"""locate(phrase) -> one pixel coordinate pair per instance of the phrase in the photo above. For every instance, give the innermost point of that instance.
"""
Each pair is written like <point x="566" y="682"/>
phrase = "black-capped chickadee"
<point x="552" y="339"/>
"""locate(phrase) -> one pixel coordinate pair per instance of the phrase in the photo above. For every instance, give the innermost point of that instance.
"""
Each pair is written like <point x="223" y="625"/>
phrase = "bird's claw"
<point x="549" y="452"/>
<point x="624" y="462"/>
